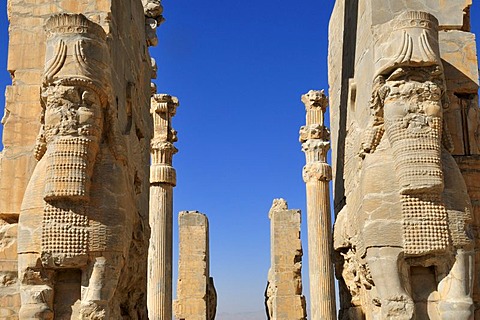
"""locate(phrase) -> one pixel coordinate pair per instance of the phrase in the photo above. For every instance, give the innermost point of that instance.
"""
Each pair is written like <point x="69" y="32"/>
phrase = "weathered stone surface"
<point x="283" y="296"/>
<point x="162" y="181"/>
<point x="78" y="105"/>
<point x="470" y="168"/>
<point x="317" y="175"/>
<point x="196" y="295"/>
<point x="450" y="14"/>
<point x="462" y="114"/>
<point x="402" y="235"/>
<point x="9" y="287"/>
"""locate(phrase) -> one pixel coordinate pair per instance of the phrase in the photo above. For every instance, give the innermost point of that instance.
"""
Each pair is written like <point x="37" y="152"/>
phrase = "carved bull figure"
<point x="404" y="234"/>
<point x="76" y="216"/>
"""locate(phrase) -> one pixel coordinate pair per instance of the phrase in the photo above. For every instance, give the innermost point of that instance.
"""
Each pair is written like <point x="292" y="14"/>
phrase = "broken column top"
<point x="192" y="218"/>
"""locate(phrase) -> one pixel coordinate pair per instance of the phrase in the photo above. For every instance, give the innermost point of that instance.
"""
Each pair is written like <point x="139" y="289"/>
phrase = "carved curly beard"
<point x="72" y="134"/>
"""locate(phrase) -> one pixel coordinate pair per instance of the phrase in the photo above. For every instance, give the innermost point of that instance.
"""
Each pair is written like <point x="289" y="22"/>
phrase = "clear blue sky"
<point x="239" y="69"/>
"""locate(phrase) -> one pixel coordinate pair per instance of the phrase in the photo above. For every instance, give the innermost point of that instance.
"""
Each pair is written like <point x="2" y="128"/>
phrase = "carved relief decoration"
<point x="315" y="137"/>
<point x="408" y="209"/>
<point x="74" y="101"/>
<point x="163" y="108"/>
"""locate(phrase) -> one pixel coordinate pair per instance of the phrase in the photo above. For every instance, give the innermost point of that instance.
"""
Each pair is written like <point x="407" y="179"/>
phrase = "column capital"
<point x="314" y="131"/>
<point x="163" y="108"/>
<point x="316" y="103"/>
<point x="315" y="99"/>
<point x="316" y="150"/>
<point x="317" y="171"/>
<point x="164" y="103"/>
<point x="163" y="173"/>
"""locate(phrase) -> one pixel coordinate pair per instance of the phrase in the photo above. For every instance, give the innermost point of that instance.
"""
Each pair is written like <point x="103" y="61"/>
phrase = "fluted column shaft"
<point x="322" y="288"/>
<point x="317" y="174"/>
<point x="160" y="269"/>
<point x="162" y="181"/>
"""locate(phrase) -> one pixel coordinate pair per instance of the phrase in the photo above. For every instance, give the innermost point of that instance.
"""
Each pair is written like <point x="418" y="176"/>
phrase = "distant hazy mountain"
<point x="259" y="315"/>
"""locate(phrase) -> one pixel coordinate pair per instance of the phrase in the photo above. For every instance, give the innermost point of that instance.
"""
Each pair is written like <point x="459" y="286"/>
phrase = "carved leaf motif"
<point x="427" y="51"/>
<point x="406" y="50"/>
<point x="80" y="56"/>
<point x="58" y="61"/>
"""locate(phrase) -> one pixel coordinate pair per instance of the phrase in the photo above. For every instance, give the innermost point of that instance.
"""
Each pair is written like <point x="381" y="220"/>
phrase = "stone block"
<point x="459" y="56"/>
<point x="450" y="13"/>
<point x="21" y="55"/>
<point x="284" y="299"/>
<point x="196" y="296"/>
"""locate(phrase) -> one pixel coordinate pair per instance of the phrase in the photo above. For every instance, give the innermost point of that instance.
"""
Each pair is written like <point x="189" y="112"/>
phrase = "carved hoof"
<point x="456" y="310"/>
<point x="35" y="312"/>
<point x="398" y="308"/>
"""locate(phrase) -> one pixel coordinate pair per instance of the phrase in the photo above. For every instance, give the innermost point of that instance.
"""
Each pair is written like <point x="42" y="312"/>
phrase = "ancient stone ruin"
<point x="162" y="181"/>
<point x="405" y="232"/>
<point x="317" y="174"/>
<point x="87" y="177"/>
<point x="73" y="236"/>
<point x="196" y="295"/>
<point x="283" y="295"/>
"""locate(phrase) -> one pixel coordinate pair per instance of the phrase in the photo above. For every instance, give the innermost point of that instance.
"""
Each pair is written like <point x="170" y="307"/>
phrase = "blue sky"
<point x="239" y="69"/>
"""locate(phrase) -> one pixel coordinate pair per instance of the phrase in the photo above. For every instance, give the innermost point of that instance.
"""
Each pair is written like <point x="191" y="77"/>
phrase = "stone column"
<point x="196" y="295"/>
<point x="283" y="297"/>
<point x="162" y="181"/>
<point x="317" y="173"/>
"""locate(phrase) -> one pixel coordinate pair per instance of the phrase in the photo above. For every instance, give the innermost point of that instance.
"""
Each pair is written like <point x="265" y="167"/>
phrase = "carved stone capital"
<point x="314" y="171"/>
<point x="316" y="103"/>
<point x="163" y="173"/>
<point x="164" y="103"/>
<point x="163" y="108"/>
<point x="315" y="150"/>
<point x="314" y="131"/>
<point x="161" y="146"/>
<point x="315" y="99"/>
<point x="162" y="152"/>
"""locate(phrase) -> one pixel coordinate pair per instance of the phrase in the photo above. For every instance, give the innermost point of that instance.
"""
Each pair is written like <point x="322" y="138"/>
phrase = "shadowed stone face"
<point x="72" y="111"/>
<point x="71" y="134"/>
<point x="412" y="113"/>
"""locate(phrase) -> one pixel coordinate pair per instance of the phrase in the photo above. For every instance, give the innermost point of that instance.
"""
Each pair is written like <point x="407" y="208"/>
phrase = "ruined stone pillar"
<point x="317" y="173"/>
<point x="283" y="297"/>
<point x="196" y="296"/>
<point x="162" y="181"/>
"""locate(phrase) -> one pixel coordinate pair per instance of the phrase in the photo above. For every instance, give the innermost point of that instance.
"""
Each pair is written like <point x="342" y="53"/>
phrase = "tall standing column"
<point x="162" y="181"/>
<point x="317" y="173"/>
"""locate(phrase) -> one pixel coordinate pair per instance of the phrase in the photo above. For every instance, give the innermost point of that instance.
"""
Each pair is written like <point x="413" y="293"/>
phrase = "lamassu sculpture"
<point x="405" y="233"/>
<point x="78" y="213"/>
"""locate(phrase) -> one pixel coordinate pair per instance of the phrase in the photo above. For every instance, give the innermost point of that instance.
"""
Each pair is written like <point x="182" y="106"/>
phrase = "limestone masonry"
<point x="196" y="295"/>
<point x="404" y="120"/>
<point x="87" y="176"/>
<point x="162" y="181"/>
<point x="317" y="175"/>
<point x="283" y="296"/>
